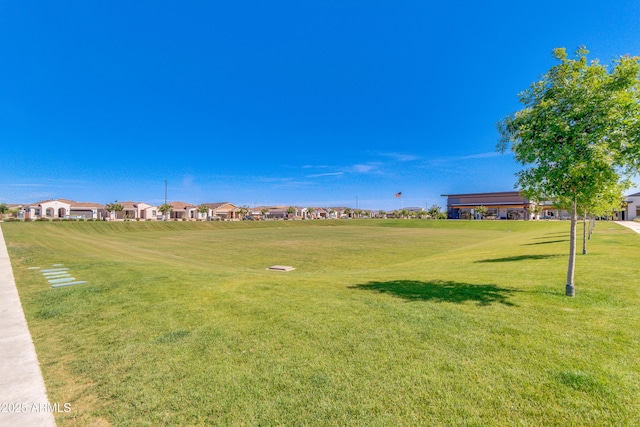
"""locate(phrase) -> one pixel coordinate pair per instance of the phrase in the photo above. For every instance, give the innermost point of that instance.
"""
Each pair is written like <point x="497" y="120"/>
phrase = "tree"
<point x="604" y="204"/>
<point x="434" y="211"/>
<point x="242" y="211"/>
<point x="3" y="209"/>
<point x="382" y="213"/>
<point x="291" y="210"/>
<point x="114" y="208"/>
<point x="535" y="210"/>
<point x="404" y="213"/>
<point x="481" y="211"/>
<point x="264" y="212"/>
<point x="165" y="209"/>
<point x="203" y="209"/>
<point x="311" y="212"/>
<point x="578" y="134"/>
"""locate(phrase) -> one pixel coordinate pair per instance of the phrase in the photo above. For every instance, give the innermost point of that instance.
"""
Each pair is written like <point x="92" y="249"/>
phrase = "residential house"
<point x="62" y="208"/>
<point x="631" y="208"/>
<point x="183" y="211"/>
<point x="220" y="211"/>
<point x="135" y="211"/>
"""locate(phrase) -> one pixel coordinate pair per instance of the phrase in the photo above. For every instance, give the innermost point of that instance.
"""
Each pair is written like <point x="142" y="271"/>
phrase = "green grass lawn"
<point x="383" y="322"/>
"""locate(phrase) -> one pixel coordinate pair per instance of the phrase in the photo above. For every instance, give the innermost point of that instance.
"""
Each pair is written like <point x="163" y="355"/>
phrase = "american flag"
<point x="398" y="194"/>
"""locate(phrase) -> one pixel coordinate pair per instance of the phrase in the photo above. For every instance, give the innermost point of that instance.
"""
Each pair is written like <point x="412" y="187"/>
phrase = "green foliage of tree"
<point x="481" y="211"/>
<point x="114" y="207"/>
<point x="578" y="135"/>
<point x="605" y="204"/>
<point x="165" y="209"/>
<point x="242" y="211"/>
<point x="434" y="212"/>
<point x="203" y="209"/>
<point x="291" y="210"/>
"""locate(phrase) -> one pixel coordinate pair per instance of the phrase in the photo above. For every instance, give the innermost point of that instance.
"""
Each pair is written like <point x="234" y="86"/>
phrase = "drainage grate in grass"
<point x="59" y="277"/>
<point x="280" y="268"/>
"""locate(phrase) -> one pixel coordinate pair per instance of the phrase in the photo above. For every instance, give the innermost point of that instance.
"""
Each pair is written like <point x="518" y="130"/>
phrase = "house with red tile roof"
<point x="136" y="211"/>
<point x="182" y="211"/>
<point x="220" y="211"/>
<point x="63" y="208"/>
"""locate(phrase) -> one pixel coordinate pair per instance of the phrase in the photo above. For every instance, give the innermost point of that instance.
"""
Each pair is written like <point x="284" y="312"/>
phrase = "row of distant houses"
<point x="69" y="209"/>
<point x="513" y="205"/>
<point x="496" y="205"/>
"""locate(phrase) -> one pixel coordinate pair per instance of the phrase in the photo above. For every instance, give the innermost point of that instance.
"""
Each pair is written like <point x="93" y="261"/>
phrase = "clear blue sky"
<point x="312" y="103"/>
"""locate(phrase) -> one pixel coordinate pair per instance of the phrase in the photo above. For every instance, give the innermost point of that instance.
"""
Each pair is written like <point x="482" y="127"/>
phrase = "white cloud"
<point x="25" y="185"/>
<point x="317" y="175"/>
<point x="400" y="156"/>
<point x="364" y="168"/>
<point x="482" y="155"/>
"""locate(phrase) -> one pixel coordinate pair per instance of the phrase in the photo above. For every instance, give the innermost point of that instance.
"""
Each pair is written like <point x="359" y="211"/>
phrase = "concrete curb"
<point x="23" y="396"/>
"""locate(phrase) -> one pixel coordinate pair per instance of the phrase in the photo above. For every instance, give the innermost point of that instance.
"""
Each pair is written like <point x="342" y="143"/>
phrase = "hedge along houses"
<point x="62" y="208"/>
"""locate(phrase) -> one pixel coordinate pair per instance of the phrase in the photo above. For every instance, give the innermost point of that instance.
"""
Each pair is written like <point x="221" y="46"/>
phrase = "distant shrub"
<point x="637" y="219"/>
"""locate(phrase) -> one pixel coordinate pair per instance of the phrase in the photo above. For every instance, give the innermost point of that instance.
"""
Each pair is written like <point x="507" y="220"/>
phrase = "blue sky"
<point x="312" y="103"/>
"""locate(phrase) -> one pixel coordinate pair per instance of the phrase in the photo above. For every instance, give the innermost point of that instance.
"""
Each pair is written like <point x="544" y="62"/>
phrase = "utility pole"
<point x="164" y="215"/>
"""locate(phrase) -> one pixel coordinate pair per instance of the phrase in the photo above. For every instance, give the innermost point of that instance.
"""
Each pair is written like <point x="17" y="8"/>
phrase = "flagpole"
<point x="398" y="195"/>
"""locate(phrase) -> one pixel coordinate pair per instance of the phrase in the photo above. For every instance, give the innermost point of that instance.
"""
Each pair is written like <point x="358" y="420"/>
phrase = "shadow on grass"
<point x="518" y="258"/>
<point x="545" y="243"/>
<point x="552" y="235"/>
<point x="440" y="291"/>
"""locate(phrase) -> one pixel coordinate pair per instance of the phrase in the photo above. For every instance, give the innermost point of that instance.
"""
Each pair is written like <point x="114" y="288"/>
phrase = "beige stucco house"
<point x="135" y="211"/>
<point x="631" y="209"/>
<point x="62" y="209"/>
<point x="219" y="211"/>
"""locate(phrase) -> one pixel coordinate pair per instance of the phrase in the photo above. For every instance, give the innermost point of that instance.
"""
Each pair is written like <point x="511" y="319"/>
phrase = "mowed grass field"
<point x="383" y="322"/>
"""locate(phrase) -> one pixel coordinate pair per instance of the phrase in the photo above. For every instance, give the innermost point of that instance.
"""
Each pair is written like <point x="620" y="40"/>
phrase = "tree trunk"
<point x="570" y="288"/>
<point x="584" y="233"/>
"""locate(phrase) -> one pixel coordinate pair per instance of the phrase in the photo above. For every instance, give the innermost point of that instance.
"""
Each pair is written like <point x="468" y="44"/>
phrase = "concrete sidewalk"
<point x="23" y="397"/>
<point x="635" y="226"/>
